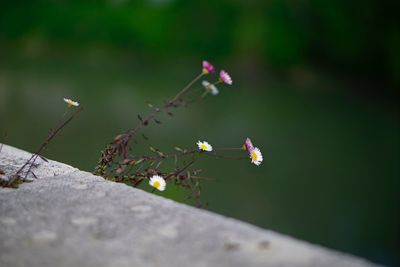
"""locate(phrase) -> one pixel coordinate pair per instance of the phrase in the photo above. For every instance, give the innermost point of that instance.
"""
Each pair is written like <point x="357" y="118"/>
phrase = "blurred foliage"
<point x="342" y="34"/>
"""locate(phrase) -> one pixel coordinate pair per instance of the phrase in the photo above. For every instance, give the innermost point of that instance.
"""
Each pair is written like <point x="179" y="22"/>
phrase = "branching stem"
<point x="31" y="161"/>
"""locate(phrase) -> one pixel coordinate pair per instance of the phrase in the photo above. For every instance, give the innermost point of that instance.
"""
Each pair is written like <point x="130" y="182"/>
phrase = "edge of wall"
<point x="69" y="217"/>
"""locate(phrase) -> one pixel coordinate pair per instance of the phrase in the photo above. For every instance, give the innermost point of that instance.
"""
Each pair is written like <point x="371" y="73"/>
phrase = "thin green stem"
<point x="183" y="91"/>
<point x="170" y="103"/>
<point x="53" y="134"/>
<point x="228" y="148"/>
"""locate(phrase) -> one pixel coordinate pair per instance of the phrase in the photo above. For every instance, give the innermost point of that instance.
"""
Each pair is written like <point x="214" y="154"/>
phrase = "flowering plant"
<point x="26" y="171"/>
<point x="118" y="164"/>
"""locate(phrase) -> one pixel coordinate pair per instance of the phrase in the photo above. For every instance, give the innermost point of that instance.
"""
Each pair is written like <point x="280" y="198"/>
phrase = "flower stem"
<point x="204" y="94"/>
<point x="183" y="91"/>
<point x="152" y="115"/>
<point x="228" y="148"/>
<point x="50" y="137"/>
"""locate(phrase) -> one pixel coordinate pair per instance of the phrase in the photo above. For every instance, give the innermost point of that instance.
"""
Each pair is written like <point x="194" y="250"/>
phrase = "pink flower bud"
<point x="208" y="67"/>
<point x="248" y="145"/>
<point x="225" y="77"/>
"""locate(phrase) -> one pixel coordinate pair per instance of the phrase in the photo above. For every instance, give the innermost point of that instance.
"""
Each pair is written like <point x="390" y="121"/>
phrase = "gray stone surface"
<point x="11" y="159"/>
<point x="73" y="218"/>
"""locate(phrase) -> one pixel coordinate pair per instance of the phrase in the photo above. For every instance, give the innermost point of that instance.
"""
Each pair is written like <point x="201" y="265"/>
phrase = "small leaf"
<point x="158" y="164"/>
<point x="118" y="137"/>
<point x="51" y="132"/>
<point x="138" y="161"/>
<point x="145" y="137"/>
<point x="152" y="149"/>
<point x="120" y="169"/>
<point x="157" y="121"/>
<point x="124" y="161"/>
<point x="160" y="154"/>
<point x="150" y="105"/>
<point x="34" y="175"/>
<point x="43" y="158"/>
<point x="170" y="113"/>
<point x="178" y="149"/>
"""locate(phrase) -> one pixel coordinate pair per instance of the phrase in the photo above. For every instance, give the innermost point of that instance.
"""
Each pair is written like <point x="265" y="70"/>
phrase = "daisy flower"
<point x="210" y="87"/>
<point x="208" y="67"/>
<point x="256" y="156"/>
<point x="254" y="152"/>
<point x="70" y="102"/>
<point x="204" y="146"/>
<point x="225" y="77"/>
<point x="157" y="182"/>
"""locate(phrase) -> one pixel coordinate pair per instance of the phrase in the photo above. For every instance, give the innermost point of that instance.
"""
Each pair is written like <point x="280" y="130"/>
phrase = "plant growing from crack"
<point x="118" y="163"/>
<point x="28" y="167"/>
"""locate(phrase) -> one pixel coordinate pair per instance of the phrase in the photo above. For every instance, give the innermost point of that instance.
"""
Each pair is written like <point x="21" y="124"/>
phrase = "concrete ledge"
<point x="11" y="159"/>
<point x="73" y="218"/>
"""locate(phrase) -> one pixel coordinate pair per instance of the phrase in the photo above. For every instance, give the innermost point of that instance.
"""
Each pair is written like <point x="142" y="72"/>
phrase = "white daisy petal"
<point x="210" y="87"/>
<point x="204" y="146"/>
<point x="71" y="102"/>
<point x="157" y="182"/>
<point x="256" y="156"/>
<point x="205" y="83"/>
<point x="214" y="89"/>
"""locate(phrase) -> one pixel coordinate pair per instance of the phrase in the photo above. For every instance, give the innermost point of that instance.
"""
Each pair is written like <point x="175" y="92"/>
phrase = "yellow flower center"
<point x="69" y="104"/>
<point x="156" y="184"/>
<point x="254" y="156"/>
<point x="203" y="147"/>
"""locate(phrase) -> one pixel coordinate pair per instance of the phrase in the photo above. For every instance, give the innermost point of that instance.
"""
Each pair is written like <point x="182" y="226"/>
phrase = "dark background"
<point x="316" y="86"/>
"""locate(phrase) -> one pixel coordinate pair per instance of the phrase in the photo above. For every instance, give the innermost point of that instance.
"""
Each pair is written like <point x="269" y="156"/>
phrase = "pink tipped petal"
<point x="225" y="77"/>
<point x="249" y="145"/>
<point x="208" y="67"/>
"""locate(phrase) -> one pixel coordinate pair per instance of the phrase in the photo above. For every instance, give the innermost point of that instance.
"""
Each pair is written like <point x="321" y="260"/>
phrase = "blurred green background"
<point x="316" y="86"/>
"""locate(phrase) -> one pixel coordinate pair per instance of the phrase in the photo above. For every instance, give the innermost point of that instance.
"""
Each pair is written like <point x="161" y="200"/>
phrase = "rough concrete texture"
<point x="11" y="159"/>
<point x="73" y="218"/>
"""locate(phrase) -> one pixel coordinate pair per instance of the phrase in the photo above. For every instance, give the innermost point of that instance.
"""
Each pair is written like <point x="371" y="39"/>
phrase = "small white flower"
<point x="209" y="86"/>
<point x="204" y="146"/>
<point x="70" y="102"/>
<point x="157" y="182"/>
<point x="256" y="156"/>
